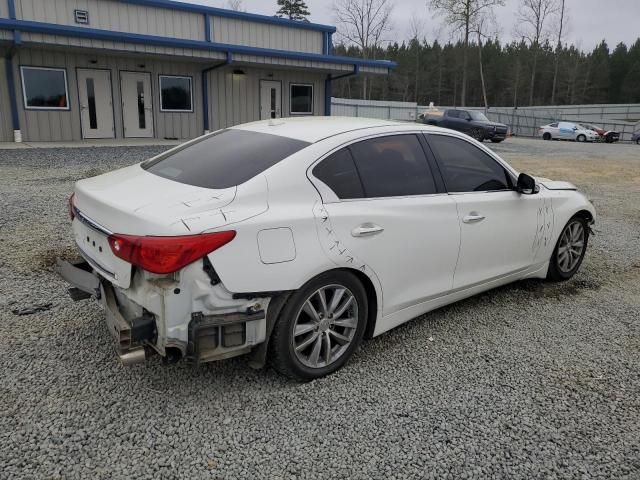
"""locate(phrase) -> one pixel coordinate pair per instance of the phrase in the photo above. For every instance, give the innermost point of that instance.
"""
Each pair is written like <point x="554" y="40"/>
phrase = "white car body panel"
<point x="291" y="227"/>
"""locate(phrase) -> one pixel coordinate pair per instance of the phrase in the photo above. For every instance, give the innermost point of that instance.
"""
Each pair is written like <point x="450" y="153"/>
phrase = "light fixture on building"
<point x="238" y="73"/>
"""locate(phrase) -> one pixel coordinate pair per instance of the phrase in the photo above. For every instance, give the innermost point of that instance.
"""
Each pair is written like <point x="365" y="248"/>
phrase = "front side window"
<point x="45" y="88"/>
<point x="479" y="116"/>
<point x="338" y="172"/>
<point x="224" y="159"/>
<point x="393" y="166"/>
<point x="175" y="94"/>
<point x="301" y="100"/>
<point x="466" y="168"/>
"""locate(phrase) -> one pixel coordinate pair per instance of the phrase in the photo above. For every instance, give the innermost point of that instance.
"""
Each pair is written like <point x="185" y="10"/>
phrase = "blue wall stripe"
<point x="54" y="29"/>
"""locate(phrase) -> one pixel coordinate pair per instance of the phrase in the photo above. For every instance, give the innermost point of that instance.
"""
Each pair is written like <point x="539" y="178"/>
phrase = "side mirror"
<point x="526" y="185"/>
<point x="468" y="119"/>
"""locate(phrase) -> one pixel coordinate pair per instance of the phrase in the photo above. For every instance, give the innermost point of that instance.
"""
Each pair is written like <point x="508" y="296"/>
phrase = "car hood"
<point x="555" y="184"/>
<point x="134" y="201"/>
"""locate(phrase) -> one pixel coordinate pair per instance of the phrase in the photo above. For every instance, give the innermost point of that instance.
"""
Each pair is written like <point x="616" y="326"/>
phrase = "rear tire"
<point x="570" y="250"/>
<point x="581" y="138"/>
<point x="496" y="140"/>
<point x="546" y="136"/>
<point x="320" y="327"/>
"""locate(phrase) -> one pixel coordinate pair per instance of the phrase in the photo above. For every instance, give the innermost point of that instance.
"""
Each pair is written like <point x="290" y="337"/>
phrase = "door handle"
<point x="473" y="217"/>
<point x="366" y="230"/>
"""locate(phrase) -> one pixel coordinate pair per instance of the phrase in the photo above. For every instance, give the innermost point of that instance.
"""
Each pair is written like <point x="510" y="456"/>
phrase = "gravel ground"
<point x="532" y="380"/>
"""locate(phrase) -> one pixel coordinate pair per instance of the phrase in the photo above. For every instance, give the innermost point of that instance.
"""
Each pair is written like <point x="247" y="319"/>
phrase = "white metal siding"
<point x="43" y="126"/>
<point x="263" y="35"/>
<point x="235" y="99"/>
<point x="116" y="16"/>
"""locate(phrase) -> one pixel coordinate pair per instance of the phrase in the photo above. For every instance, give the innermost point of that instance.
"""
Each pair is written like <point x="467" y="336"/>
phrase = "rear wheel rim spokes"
<point x="325" y="326"/>
<point x="571" y="246"/>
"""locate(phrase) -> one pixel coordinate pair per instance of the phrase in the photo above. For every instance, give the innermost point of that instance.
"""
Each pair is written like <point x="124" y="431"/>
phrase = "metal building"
<point x="79" y="69"/>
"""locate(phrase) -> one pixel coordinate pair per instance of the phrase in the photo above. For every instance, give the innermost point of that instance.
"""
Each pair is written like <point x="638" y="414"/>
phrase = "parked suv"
<point x="472" y="122"/>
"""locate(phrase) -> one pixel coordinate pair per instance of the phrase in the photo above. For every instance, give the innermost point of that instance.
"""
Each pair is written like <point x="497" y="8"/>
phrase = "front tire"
<point x="496" y="140"/>
<point x="477" y="134"/>
<point x="570" y="250"/>
<point x="581" y="138"/>
<point x="320" y="327"/>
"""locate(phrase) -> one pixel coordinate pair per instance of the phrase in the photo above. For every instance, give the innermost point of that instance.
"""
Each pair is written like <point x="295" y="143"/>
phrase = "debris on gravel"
<point x="531" y="380"/>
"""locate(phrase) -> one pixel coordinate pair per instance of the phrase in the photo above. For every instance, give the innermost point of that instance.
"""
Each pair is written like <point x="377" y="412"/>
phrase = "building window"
<point x="45" y="88"/>
<point x="301" y="99"/>
<point x="175" y="94"/>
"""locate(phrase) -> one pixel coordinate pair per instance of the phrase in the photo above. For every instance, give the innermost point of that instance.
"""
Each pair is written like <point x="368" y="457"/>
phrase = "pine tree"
<point x="293" y="10"/>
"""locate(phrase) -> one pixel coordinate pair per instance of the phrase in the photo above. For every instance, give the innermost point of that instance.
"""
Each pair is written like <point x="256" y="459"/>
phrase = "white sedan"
<point x="568" y="131"/>
<point x="295" y="239"/>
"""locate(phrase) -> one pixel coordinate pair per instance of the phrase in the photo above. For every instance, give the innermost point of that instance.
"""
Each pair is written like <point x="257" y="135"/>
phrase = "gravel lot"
<point x="533" y="380"/>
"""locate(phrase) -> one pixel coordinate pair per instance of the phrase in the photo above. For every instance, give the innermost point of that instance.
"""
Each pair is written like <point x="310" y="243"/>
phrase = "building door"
<point x="270" y="99"/>
<point x="96" y="103"/>
<point x="137" y="105"/>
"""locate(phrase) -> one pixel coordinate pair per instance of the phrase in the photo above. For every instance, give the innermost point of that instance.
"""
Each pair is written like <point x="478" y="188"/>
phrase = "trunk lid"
<point x="133" y="201"/>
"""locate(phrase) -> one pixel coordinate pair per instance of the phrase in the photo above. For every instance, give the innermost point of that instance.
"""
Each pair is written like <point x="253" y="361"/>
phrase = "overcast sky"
<point x="590" y="21"/>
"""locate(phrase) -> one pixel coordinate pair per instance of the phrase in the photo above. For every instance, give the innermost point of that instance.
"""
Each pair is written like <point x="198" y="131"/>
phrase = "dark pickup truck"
<point x="472" y="122"/>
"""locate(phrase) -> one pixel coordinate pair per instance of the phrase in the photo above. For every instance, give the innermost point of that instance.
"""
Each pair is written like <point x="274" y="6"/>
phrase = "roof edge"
<point x="100" y="34"/>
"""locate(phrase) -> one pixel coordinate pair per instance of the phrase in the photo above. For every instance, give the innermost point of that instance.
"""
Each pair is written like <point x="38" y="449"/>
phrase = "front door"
<point x="498" y="226"/>
<point x="270" y="99"/>
<point x="137" y="105"/>
<point x="96" y="105"/>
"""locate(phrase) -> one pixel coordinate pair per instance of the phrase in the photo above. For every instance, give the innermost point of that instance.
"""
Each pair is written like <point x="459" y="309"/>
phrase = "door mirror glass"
<point x="526" y="184"/>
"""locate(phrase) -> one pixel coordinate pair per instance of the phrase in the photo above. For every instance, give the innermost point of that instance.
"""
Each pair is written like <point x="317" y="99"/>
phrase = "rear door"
<point x="567" y="131"/>
<point x="498" y="225"/>
<point x="386" y="215"/>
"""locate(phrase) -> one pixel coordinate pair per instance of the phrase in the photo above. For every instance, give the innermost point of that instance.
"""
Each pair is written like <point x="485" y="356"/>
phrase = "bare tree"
<point x="532" y="25"/>
<point x="562" y="19"/>
<point x="363" y="23"/>
<point x="235" y="5"/>
<point x="416" y="27"/>
<point x="482" y="27"/>
<point x="462" y="15"/>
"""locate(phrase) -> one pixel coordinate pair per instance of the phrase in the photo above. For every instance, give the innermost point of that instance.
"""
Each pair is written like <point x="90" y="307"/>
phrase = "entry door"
<point x="96" y="103"/>
<point x="270" y="99"/>
<point x="137" y="105"/>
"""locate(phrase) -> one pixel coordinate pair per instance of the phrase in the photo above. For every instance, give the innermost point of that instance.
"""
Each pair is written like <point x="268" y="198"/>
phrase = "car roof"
<point x="315" y="128"/>
<point x="312" y="129"/>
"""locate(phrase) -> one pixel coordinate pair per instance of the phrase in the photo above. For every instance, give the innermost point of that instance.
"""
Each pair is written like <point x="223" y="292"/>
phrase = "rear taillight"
<point x="167" y="254"/>
<point x="72" y="212"/>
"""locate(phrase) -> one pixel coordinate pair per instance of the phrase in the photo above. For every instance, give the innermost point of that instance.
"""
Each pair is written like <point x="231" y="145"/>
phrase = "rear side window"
<point x="225" y="159"/>
<point x="393" y="166"/>
<point x="339" y="173"/>
<point x="466" y="168"/>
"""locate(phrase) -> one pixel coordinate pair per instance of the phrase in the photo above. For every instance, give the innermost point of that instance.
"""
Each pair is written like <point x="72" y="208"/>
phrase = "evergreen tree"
<point x="293" y="10"/>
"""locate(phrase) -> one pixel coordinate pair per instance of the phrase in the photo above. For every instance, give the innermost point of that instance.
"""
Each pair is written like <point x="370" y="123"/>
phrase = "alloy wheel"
<point x="325" y="326"/>
<point x="571" y="246"/>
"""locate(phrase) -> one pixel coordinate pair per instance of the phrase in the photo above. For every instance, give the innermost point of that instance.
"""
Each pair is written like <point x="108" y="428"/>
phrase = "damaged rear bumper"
<point x="157" y="315"/>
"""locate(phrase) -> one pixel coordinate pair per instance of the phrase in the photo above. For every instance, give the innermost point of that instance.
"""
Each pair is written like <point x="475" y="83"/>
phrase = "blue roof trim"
<point x="221" y="12"/>
<point x="81" y="32"/>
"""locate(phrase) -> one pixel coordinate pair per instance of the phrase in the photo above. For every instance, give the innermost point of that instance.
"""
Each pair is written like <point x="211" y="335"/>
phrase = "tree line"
<point x="432" y="72"/>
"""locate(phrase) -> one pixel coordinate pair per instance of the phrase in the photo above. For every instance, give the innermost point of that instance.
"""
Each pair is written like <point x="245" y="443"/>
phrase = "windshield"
<point x="478" y="116"/>
<point x="225" y="159"/>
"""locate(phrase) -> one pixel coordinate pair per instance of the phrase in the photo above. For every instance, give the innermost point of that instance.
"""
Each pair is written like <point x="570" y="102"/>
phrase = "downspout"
<point x="11" y="84"/>
<point x="205" y="89"/>
<point x="327" y="87"/>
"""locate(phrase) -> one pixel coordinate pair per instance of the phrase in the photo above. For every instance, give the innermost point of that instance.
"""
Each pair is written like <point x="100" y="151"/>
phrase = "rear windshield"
<point x="225" y="159"/>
